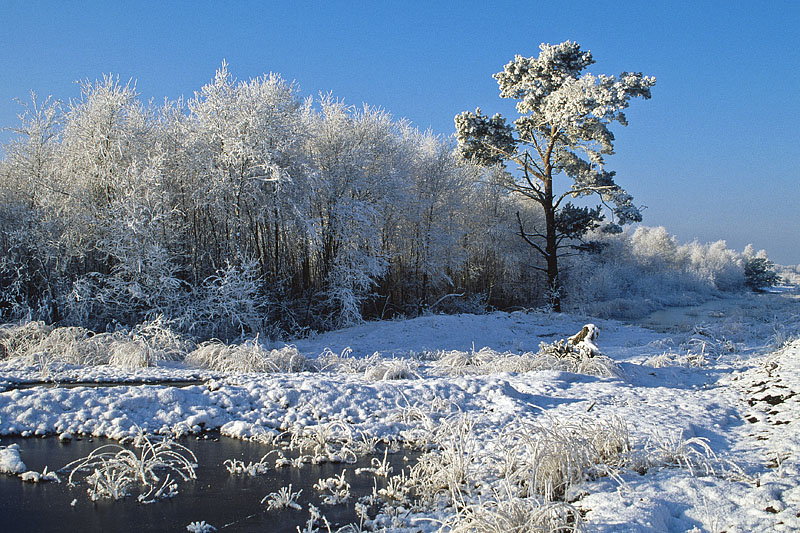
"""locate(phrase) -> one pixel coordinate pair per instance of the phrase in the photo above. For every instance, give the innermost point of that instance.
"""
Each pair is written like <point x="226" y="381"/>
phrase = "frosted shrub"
<point x="391" y="369"/>
<point x="717" y="264"/>
<point x="655" y="248"/>
<point x="672" y="449"/>
<point x="547" y="461"/>
<point x="354" y="151"/>
<point x="147" y="344"/>
<point x="509" y="513"/>
<point x="19" y="340"/>
<point x="249" y="356"/>
<point x="229" y="304"/>
<point x="114" y="470"/>
<point x="144" y="281"/>
<point x="637" y="273"/>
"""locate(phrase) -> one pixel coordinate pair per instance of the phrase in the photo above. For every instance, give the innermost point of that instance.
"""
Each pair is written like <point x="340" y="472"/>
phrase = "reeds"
<point x="113" y="470"/>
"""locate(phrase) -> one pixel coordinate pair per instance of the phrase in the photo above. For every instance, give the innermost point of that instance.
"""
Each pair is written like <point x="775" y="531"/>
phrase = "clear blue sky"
<point x="713" y="155"/>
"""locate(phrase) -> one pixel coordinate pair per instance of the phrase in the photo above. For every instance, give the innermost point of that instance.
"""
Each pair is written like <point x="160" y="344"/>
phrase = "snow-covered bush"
<point x="638" y="272"/>
<point x="249" y="356"/>
<point x="144" y="345"/>
<point x="18" y="340"/>
<point x="229" y="304"/>
<point x="547" y="460"/>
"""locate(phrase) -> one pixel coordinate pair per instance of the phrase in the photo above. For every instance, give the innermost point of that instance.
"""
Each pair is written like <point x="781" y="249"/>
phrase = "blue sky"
<point x="713" y="155"/>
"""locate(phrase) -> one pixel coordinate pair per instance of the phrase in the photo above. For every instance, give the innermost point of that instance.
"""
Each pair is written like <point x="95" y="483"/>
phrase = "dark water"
<point x="95" y="384"/>
<point x="228" y="502"/>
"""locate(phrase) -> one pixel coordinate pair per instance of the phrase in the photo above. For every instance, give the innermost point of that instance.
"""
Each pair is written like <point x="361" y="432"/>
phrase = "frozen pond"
<point x="719" y="311"/>
<point x="219" y="498"/>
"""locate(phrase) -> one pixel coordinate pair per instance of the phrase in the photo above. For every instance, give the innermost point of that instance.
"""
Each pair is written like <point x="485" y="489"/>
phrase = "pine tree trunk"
<point x="551" y="254"/>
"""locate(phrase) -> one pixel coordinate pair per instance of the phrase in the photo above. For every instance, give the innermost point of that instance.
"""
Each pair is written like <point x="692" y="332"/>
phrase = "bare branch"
<point x="527" y="236"/>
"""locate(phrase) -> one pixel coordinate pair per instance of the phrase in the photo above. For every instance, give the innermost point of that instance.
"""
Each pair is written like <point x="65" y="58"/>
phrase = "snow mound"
<point x="10" y="461"/>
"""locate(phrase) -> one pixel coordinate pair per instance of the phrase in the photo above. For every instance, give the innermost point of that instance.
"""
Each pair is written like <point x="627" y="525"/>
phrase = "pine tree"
<point x="562" y="129"/>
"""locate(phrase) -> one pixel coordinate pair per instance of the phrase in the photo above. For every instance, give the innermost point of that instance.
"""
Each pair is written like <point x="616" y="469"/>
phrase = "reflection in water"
<point x="217" y="497"/>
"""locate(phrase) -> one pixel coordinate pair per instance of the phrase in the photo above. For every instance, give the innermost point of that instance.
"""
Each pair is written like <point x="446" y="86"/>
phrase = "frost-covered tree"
<point x="357" y="163"/>
<point x="423" y="226"/>
<point x="243" y="151"/>
<point x="759" y="273"/>
<point x="29" y="267"/>
<point x="563" y="128"/>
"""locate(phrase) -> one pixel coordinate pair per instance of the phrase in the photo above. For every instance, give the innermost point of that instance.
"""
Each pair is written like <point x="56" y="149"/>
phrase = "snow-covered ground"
<point x="706" y="397"/>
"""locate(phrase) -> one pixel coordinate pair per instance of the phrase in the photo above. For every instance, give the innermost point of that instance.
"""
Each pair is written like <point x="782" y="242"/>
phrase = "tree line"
<point x="247" y="209"/>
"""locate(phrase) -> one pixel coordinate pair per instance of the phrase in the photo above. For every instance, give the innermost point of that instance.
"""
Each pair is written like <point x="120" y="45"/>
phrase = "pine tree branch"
<point x="574" y="192"/>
